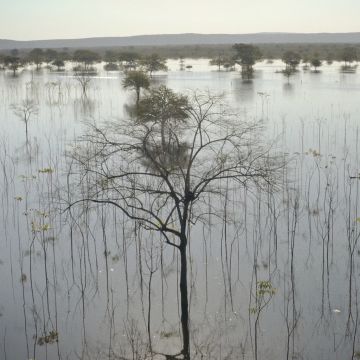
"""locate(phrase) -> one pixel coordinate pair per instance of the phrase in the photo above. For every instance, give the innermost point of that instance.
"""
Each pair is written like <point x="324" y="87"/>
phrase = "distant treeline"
<point x="268" y="51"/>
<point x="153" y="58"/>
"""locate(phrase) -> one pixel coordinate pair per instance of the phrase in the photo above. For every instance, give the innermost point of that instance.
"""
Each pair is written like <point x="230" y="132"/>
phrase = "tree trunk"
<point x="26" y="131"/>
<point x="163" y="141"/>
<point x="184" y="299"/>
<point x="149" y="313"/>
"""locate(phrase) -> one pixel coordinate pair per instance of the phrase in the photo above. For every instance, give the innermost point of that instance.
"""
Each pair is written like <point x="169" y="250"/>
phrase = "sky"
<point x="49" y="19"/>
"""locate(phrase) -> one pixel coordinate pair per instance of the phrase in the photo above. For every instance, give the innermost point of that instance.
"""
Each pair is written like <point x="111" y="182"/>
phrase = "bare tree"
<point x="170" y="189"/>
<point x="24" y="111"/>
<point x="84" y="80"/>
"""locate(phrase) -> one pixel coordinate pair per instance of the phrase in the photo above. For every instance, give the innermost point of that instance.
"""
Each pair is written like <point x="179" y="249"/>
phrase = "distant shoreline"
<point x="186" y="40"/>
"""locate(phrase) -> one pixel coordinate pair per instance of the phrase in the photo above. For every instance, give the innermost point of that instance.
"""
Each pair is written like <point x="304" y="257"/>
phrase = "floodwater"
<point x="75" y="284"/>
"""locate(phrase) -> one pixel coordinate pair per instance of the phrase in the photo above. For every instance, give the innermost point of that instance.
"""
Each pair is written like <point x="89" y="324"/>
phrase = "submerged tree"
<point x="222" y="61"/>
<point x="316" y="63"/>
<point x="24" y="111"/>
<point x="136" y="80"/>
<point x="167" y="169"/>
<point x="167" y="109"/>
<point x="229" y="64"/>
<point x="349" y="55"/>
<point x="218" y="61"/>
<point x="60" y="64"/>
<point x="181" y="63"/>
<point x="36" y="56"/>
<point x="50" y="55"/>
<point x="111" y="58"/>
<point x="288" y="73"/>
<point x="59" y="60"/>
<point x="86" y="58"/>
<point x="291" y="60"/>
<point x="82" y="73"/>
<point x="129" y="60"/>
<point x="154" y="63"/>
<point x="246" y="56"/>
<point x="12" y="63"/>
<point x="84" y="80"/>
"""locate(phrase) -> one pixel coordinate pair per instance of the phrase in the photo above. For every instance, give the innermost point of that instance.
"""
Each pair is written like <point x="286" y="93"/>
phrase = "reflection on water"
<point x="277" y="280"/>
<point x="288" y="89"/>
<point x="243" y="90"/>
<point x="84" y="107"/>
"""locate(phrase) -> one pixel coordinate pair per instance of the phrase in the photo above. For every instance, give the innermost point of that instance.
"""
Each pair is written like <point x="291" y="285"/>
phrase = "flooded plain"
<point x="276" y="278"/>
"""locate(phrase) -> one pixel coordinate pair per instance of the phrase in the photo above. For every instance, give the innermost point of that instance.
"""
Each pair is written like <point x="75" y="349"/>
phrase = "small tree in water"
<point x="154" y="63"/>
<point x="163" y="168"/>
<point x="136" y="80"/>
<point x="316" y="63"/>
<point x="166" y="109"/>
<point x="12" y="63"/>
<point x="291" y="60"/>
<point x="246" y="56"/>
<point x="84" y="80"/>
<point x="24" y="111"/>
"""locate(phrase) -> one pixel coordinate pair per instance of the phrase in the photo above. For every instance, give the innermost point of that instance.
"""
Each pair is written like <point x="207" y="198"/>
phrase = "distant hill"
<point x="185" y="39"/>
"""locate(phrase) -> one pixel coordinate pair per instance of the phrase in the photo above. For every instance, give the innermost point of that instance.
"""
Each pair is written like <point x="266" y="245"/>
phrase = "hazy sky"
<point x="47" y="19"/>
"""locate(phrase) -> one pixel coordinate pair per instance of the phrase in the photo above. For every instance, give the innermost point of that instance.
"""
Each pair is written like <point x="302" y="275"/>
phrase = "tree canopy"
<point x="36" y="56"/>
<point x="291" y="59"/>
<point x="136" y="80"/>
<point x="315" y="63"/>
<point x="246" y="56"/>
<point x="129" y="60"/>
<point x="349" y="55"/>
<point x="154" y="63"/>
<point x="13" y="63"/>
<point x="217" y="61"/>
<point x="86" y="57"/>
<point x="50" y="55"/>
<point x="165" y="109"/>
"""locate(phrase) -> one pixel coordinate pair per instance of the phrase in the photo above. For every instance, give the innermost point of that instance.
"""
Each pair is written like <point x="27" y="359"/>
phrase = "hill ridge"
<point x="185" y="39"/>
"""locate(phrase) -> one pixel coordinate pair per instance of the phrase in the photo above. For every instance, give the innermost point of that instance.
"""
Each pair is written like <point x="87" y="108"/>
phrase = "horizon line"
<point x="185" y="33"/>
